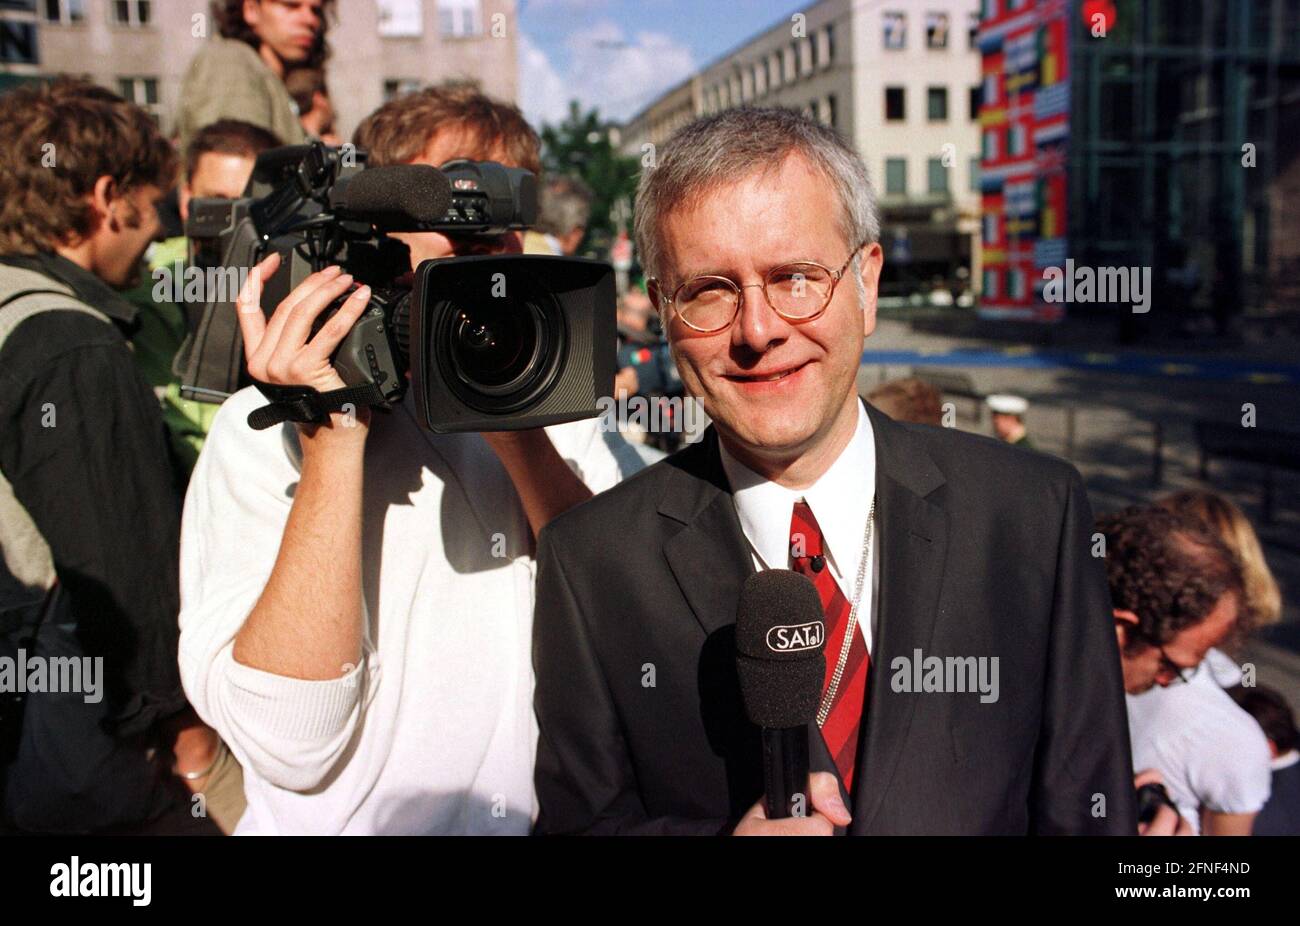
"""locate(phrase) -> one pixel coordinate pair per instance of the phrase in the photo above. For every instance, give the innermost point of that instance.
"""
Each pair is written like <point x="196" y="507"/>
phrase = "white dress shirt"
<point x="840" y="501"/>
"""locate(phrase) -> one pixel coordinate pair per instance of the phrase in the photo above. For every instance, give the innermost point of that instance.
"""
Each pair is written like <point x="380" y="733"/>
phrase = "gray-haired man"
<point x="759" y="230"/>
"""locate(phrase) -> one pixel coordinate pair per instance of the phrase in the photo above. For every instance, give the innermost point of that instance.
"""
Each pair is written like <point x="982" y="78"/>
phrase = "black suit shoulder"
<point x="982" y="464"/>
<point x="633" y="499"/>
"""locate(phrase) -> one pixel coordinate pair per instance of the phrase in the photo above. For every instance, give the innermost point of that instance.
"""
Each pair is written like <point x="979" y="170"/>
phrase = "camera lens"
<point x="499" y="354"/>
<point x="494" y="345"/>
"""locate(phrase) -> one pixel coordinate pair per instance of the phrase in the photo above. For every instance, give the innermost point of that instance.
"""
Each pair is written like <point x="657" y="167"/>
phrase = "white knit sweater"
<point x="434" y="731"/>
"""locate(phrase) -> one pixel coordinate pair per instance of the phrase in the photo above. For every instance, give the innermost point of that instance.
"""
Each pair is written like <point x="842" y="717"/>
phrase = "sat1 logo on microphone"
<point x="793" y="638"/>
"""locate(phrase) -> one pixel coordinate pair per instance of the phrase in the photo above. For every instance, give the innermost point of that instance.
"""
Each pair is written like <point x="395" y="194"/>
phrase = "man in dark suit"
<point x="973" y="680"/>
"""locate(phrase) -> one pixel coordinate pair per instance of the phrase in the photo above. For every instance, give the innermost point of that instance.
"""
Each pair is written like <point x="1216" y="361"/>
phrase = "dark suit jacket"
<point x="984" y="551"/>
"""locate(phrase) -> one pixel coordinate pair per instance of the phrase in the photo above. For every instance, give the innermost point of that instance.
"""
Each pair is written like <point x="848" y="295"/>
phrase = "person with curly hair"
<point x="1178" y="591"/>
<point x="240" y="74"/>
<point x="1263" y="598"/>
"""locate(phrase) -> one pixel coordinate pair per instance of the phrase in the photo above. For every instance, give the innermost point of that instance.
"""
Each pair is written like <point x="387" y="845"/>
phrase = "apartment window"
<point x="832" y="111"/>
<point x="813" y="52"/>
<point x="401" y="86"/>
<point x="895" y="176"/>
<point x="132" y="13"/>
<point x="990" y="8"/>
<point x="936" y="30"/>
<point x="974" y="175"/>
<point x="796" y="54"/>
<point x="895" y="29"/>
<point x="65" y="12"/>
<point x="936" y="104"/>
<point x="936" y="176"/>
<point x="459" y="18"/>
<point x="401" y="18"/>
<point x="830" y="45"/>
<point x="975" y="95"/>
<point x="973" y="27"/>
<point x="895" y="104"/>
<point x="990" y="284"/>
<point x="774" y="70"/>
<point x="142" y="91"/>
<point x="746" y="85"/>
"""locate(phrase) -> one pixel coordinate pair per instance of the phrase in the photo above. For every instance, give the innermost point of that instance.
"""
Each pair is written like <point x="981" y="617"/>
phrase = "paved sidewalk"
<point x="1117" y="412"/>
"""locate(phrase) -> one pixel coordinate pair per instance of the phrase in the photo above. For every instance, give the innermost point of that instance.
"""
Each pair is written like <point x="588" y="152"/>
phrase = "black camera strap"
<point x="304" y="404"/>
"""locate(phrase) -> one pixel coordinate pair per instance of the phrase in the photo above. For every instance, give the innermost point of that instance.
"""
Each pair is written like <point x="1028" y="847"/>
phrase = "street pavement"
<point x="1132" y="435"/>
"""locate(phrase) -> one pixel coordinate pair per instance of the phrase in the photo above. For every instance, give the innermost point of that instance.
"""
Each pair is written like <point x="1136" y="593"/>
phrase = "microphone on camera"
<point x="780" y="632"/>
<point x="396" y="198"/>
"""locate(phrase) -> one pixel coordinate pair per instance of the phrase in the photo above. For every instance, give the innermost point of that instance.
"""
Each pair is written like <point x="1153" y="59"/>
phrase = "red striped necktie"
<point x="844" y="721"/>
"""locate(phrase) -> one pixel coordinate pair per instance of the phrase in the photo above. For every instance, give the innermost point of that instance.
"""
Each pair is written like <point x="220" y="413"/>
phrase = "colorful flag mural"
<point x="1024" y="124"/>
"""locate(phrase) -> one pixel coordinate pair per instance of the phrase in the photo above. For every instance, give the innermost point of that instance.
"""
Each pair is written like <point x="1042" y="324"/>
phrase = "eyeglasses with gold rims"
<point x="798" y="291"/>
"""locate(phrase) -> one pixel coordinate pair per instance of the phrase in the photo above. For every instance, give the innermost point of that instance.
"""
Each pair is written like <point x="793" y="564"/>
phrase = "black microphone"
<point x="400" y="197"/>
<point x="780" y="632"/>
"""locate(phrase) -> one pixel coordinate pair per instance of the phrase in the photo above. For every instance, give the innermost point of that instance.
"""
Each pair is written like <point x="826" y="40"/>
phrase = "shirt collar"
<point x="87" y="287"/>
<point x="840" y="501"/>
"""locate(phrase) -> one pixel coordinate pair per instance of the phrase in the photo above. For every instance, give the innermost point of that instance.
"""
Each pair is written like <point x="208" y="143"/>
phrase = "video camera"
<point x="490" y="343"/>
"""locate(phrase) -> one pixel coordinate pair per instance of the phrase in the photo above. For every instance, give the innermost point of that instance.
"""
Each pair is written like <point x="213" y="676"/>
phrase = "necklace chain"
<point x="829" y="697"/>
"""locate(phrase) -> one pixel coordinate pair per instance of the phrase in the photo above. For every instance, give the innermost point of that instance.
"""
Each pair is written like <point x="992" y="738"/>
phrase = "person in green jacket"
<point x="240" y="74"/>
<point x="217" y="163"/>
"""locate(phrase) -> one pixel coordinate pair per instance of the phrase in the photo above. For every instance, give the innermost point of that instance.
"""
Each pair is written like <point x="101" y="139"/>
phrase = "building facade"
<point x="1025" y="130"/>
<point x="380" y="48"/>
<point x="1183" y="155"/>
<point x="898" y="79"/>
<point x="1141" y="136"/>
<point x="655" y="124"/>
<point x="916" y="74"/>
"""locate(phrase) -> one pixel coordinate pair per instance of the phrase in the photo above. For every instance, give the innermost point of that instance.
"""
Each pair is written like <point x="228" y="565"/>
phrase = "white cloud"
<point x="543" y="94"/>
<point x="606" y="69"/>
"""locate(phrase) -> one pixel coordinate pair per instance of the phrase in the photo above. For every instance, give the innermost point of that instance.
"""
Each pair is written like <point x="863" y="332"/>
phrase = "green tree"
<point x="580" y="146"/>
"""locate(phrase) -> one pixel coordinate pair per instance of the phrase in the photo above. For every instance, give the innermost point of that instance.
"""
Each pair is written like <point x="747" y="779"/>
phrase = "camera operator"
<point x="358" y="595"/>
<point x="240" y="73"/>
<point x="88" y="508"/>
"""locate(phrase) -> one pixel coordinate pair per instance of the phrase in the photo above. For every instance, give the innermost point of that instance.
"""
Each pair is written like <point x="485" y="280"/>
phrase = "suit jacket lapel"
<point x="709" y="556"/>
<point x="912" y="532"/>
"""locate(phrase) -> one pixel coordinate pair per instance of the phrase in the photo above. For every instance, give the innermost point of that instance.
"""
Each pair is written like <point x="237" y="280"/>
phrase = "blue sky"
<point x="617" y="55"/>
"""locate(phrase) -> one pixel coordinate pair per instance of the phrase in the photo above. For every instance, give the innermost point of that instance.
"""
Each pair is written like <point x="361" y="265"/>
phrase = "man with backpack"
<point x="89" y="513"/>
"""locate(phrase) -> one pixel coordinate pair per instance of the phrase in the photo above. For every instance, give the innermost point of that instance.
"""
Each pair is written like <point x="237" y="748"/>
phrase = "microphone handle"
<point x="785" y="772"/>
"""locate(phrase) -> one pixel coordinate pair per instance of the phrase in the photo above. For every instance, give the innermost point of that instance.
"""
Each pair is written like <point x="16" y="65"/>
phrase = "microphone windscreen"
<point x="780" y="633"/>
<point x="395" y="197"/>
